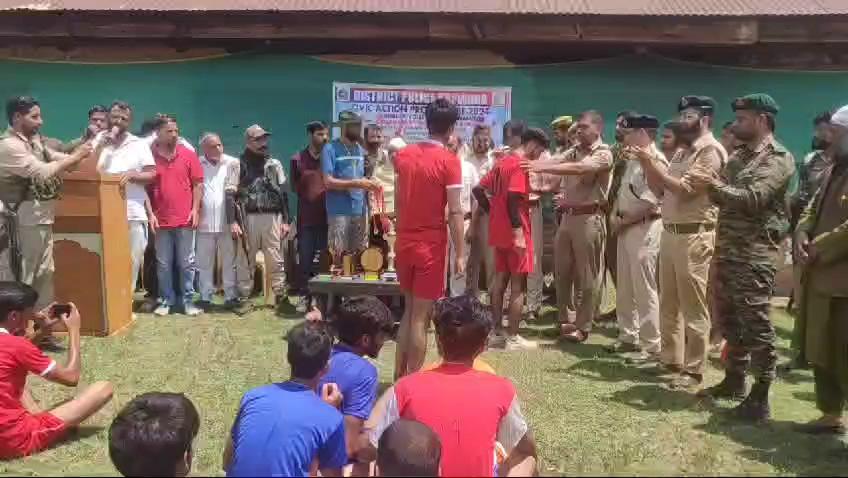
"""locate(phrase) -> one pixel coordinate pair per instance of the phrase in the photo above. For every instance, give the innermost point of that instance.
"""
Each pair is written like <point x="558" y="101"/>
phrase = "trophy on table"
<point x="390" y="274"/>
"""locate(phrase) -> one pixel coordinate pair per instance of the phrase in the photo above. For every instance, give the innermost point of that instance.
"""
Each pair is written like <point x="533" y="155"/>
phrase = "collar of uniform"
<point x="591" y="149"/>
<point x="433" y="141"/>
<point x="11" y="133"/>
<point x="768" y="140"/>
<point x="704" y="140"/>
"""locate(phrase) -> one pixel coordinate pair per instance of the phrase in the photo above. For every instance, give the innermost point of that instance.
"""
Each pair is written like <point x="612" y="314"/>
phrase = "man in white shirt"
<point x="214" y="238"/>
<point x="120" y="152"/>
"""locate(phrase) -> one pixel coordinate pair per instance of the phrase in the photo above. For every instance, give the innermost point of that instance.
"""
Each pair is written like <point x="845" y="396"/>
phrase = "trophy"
<point x="390" y="274"/>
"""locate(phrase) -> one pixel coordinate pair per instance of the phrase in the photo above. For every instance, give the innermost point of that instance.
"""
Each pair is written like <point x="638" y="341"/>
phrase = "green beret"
<point x="706" y="104"/>
<point x="758" y="102"/>
<point x="639" y="121"/>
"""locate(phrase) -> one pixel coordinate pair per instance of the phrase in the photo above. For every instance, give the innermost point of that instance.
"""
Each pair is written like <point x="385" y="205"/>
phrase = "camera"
<point x="58" y="310"/>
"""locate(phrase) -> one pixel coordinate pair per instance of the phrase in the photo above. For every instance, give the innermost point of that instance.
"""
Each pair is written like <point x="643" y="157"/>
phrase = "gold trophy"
<point x="390" y="274"/>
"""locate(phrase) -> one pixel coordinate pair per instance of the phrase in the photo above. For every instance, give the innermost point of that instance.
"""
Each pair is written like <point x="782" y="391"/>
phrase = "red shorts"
<point x="514" y="261"/>
<point x="421" y="268"/>
<point x="32" y="434"/>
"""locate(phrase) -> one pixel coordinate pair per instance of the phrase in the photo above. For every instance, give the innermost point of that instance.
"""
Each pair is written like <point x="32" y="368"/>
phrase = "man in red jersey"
<point x="469" y="410"/>
<point x="509" y="231"/>
<point x="429" y="177"/>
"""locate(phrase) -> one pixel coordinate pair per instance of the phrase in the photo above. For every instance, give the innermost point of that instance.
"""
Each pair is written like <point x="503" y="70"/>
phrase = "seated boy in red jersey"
<point x="509" y="232"/>
<point x="24" y="429"/>
<point x="468" y="409"/>
<point x="429" y="178"/>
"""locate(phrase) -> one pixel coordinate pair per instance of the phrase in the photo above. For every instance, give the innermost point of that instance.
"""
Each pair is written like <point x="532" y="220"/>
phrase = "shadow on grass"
<point x="796" y="376"/>
<point x="659" y="398"/>
<point x="606" y="371"/>
<point x="783" y="333"/>
<point x="805" y="396"/>
<point x="778" y="444"/>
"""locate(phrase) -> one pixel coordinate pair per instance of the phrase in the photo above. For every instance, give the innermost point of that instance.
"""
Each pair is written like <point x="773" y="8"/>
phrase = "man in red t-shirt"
<point x="24" y="428"/>
<point x="175" y="205"/>
<point x="468" y="409"/>
<point x="509" y="230"/>
<point x="429" y="177"/>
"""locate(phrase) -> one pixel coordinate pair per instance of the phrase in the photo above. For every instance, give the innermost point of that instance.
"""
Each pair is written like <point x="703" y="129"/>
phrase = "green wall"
<point x="284" y="92"/>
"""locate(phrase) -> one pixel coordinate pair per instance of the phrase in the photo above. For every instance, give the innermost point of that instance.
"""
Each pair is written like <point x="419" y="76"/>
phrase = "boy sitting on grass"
<point x="24" y="428"/>
<point x="153" y="435"/>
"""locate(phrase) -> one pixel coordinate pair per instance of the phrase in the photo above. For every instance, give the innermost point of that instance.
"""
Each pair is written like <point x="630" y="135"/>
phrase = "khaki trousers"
<point x="578" y="254"/>
<point x="263" y="233"/>
<point x="536" y="279"/>
<point x="684" y="315"/>
<point x="37" y="267"/>
<point x="637" y="299"/>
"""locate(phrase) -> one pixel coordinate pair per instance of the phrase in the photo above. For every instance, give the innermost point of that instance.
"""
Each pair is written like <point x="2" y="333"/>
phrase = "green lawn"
<point x="591" y="414"/>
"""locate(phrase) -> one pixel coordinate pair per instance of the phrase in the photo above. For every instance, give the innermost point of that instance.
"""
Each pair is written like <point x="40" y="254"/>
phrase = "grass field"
<point x="591" y="414"/>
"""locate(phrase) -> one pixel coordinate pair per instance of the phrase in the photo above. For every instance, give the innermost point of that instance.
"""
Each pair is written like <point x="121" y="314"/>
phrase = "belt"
<point x="689" y="228"/>
<point x="582" y="210"/>
<point x="649" y="218"/>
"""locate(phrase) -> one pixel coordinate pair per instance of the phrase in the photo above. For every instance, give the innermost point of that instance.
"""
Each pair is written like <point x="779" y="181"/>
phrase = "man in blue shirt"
<point x="362" y="324"/>
<point x="343" y="164"/>
<point x="286" y="429"/>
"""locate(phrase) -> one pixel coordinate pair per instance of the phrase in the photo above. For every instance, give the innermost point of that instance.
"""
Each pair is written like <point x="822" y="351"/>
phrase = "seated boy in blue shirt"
<point x="362" y="325"/>
<point x="286" y="429"/>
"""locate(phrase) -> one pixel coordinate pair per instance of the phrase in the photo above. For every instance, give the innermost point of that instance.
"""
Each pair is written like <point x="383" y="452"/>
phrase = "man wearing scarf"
<point x="263" y="199"/>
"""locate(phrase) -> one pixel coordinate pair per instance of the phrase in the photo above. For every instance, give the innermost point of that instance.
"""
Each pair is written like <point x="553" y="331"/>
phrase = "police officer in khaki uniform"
<point x="29" y="187"/>
<point x="686" y="247"/>
<point x="579" y="246"/>
<point x="635" y="219"/>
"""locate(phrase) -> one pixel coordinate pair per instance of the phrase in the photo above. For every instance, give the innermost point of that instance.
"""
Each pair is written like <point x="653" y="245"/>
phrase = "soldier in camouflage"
<point x="753" y="219"/>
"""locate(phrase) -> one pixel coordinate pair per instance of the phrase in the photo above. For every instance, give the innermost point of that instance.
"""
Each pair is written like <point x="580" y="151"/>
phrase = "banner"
<point x="400" y="109"/>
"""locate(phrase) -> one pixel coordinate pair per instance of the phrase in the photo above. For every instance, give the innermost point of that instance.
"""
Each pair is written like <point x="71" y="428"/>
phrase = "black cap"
<point x="706" y="104"/>
<point x="639" y="121"/>
<point x="535" y="134"/>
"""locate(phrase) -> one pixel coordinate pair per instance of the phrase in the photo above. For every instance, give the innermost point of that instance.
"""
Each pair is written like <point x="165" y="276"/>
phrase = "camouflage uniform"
<point x="753" y="219"/>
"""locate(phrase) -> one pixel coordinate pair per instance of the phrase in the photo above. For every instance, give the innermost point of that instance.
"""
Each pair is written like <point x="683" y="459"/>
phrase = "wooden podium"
<point x="91" y="251"/>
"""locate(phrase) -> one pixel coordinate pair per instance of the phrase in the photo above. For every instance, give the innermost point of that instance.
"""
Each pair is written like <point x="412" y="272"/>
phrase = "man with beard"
<point x="753" y="220"/>
<point x="29" y="187"/>
<point x="175" y="205"/>
<point x="480" y="254"/>
<point x="343" y="165"/>
<point x="375" y="153"/>
<point x="308" y="183"/>
<point x="579" y="246"/>
<point x="728" y="140"/>
<point x="123" y="153"/>
<point x="821" y="241"/>
<point x="264" y="209"/>
<point x="686" y="246"/>
<point x="810" y="174"/>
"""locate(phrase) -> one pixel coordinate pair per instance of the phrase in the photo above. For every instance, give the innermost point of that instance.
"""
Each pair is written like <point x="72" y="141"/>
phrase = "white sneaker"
<point x="517" y="342"/>
<point x="497" y="340"/>
<point x="192" y="311"/>
<point x="162" y="311"/>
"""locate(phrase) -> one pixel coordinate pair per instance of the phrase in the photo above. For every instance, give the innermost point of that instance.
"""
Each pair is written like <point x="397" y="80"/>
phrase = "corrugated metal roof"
<point x="550" y="7"/>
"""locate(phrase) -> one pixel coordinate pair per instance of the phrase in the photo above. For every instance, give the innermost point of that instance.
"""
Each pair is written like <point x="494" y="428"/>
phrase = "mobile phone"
<point x="58" y="310"/>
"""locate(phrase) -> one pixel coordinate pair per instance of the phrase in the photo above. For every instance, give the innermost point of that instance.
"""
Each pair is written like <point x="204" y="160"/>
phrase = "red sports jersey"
<point x="18" y="358"/>
<point x="507" y="177"/>
<point x="425" y="171"/>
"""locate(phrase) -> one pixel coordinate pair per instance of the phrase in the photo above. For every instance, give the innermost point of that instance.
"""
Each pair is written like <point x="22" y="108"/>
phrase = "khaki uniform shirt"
<point x="634" y="194"/>
<point x="705" y="156"/>
<point x="21" y="160"/>
<point x="585" y="189"/>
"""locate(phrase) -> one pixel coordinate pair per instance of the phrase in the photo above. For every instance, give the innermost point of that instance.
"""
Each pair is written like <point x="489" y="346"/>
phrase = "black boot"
<point x="731" y="388"/>
<point x="756" y="407"/>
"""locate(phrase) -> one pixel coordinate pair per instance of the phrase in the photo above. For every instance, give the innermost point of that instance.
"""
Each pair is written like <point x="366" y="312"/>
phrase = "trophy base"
<point x="390" y="276"/>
